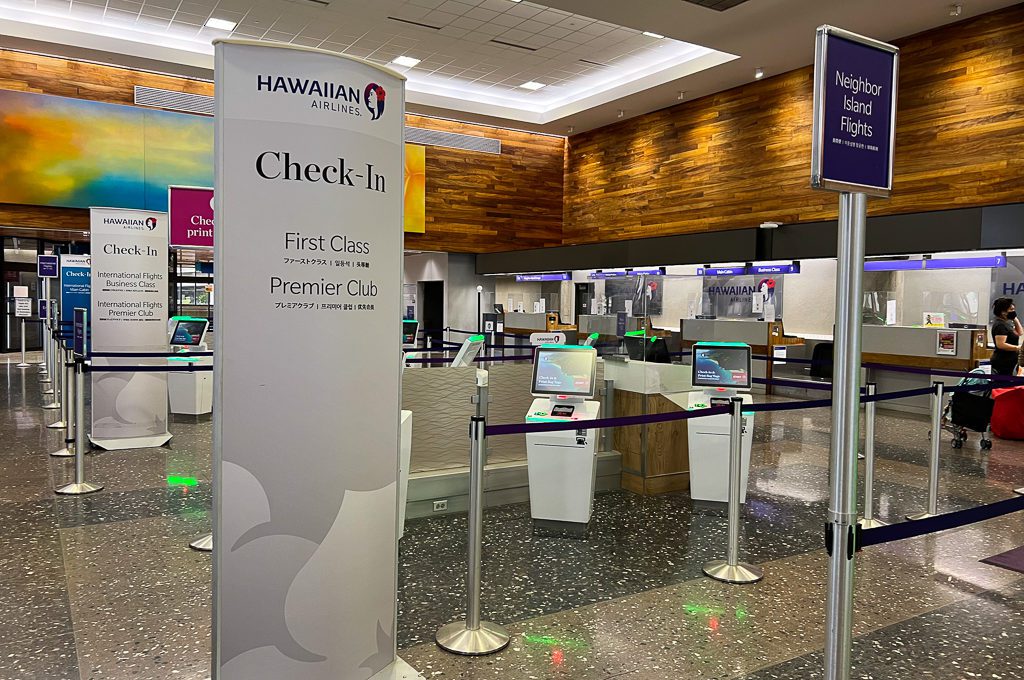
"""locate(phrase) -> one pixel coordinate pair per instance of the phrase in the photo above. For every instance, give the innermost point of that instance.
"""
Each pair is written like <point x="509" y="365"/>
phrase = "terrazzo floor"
<point x="104" y="586"/>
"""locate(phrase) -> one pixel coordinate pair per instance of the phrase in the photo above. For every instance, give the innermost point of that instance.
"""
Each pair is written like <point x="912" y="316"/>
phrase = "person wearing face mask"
<point x="1006" y="334"/>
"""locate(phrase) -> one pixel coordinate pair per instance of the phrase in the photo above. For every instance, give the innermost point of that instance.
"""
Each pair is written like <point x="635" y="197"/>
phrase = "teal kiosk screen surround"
<point x="564" y="370"/>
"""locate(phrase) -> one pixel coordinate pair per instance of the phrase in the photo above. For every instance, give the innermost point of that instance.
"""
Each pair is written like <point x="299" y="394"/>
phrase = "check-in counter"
<point x="655" y="458"/>
<point x="762" y="336"/>
<point x="917" y="347"/>
<point x="897" y="346"/>
<point x="523" y="323"/>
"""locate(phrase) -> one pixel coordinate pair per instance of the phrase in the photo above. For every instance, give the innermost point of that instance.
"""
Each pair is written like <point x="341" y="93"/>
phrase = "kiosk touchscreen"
<point x="562" y="465"/>
<point x="471" y="347"/>
<point x="410" y="328"/>
<point x="189" y="332"/>
<point x="723" y="369"/>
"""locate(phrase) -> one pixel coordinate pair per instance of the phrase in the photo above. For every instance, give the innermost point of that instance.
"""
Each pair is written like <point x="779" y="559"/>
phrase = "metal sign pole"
<point x="474" y="637"/>
<point x="731" y="570"/>
<point x="869" y="521"/>
<point x="43" y="365"/>
<point x="24" y="362"/>
<point x="934" y="457"/>
<point x="845" y="435"/>
<point x="608" y="411"/>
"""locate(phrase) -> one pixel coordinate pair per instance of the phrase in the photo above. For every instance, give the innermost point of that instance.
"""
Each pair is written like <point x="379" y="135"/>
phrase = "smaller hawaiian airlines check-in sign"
<point x="855" y="81"/>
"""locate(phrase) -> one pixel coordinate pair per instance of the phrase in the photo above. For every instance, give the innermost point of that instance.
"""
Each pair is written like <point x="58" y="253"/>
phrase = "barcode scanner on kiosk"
<point x="562" y="466"/>
<point x="723" y="369"/>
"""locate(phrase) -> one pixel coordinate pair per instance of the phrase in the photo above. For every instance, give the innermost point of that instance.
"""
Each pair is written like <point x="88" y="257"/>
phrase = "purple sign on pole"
<point x="46" y="266"/>
<point x="854" y="113"/>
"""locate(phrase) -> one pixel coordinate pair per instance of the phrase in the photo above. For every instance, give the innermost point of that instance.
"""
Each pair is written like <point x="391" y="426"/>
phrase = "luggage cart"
<point x="970" y="410"/>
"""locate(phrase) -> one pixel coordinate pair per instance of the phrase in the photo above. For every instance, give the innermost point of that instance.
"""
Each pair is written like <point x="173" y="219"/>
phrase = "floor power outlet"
<point x="440" y="506"/>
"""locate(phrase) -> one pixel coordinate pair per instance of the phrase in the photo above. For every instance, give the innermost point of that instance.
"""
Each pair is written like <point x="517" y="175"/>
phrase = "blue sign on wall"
<point x="855" y="81"/>
<point x="46" y="266"/>
<point x="75" y="289"/>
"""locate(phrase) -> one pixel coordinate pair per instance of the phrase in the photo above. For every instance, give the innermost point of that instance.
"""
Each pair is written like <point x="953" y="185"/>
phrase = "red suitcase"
<point x="1008" y="413"/>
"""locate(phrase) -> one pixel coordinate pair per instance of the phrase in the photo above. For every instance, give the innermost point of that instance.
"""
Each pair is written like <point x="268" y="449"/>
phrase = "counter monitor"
<point x="566" y="370"/>
<point x="189" y="332"/>
<point x="641" y="347"/>
<point x="721" y="365"/>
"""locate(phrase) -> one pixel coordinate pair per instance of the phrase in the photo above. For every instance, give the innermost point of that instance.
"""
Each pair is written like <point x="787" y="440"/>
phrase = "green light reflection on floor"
<point x="178" y="480"/>
<point x="552" y="641"/>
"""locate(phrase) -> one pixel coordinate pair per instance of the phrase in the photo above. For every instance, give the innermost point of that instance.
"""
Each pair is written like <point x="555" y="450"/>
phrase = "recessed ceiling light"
<point x="682" y="95"/>
<point x="221" y="24"/>
<point x="653" y="35"/>
<point x="532" y="85"/>
<point x="758" y="73"/>
<point x="956" y="10"/>
<point x="620" y="113"/>
<point x="406" y="61"/>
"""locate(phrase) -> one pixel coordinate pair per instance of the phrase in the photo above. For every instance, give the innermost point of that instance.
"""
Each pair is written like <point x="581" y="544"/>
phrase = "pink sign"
<point x="191" y="217"/>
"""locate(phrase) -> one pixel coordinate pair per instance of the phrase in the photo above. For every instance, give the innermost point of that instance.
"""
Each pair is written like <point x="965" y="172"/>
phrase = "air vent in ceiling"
<point x="415" y="23"/>
<point x="452" y="140"/>
<point x="175" y="101"/>
<point x="508" y="44"/>
<point x="718" y="5"/>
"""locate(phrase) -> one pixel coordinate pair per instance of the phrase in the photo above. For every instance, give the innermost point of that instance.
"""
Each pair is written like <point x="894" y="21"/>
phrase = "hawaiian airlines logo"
<point x="373" y="97"/>
<point x="133" y="223"/>
<point x="151" y="223"/>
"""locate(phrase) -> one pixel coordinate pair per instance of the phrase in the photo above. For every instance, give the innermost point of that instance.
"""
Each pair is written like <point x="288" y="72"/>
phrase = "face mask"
<point x="1011" y="316"/>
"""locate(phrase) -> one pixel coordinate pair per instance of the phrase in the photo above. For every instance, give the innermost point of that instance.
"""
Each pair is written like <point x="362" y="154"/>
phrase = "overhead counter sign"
<point x="855" y="81"/>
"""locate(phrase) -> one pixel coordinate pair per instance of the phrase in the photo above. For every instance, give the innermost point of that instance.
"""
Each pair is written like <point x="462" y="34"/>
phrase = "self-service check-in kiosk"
<point x="562" y="466"/>
<point x="189" y="392"/>
<point x="723" y="370"/>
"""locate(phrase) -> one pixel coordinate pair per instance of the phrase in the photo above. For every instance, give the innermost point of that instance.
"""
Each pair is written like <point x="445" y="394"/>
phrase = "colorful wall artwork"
<point x="415" y="188"/>
<point x="75" y="153"/>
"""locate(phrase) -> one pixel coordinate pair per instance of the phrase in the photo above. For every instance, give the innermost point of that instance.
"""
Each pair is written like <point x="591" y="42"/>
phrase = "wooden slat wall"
<point x="741" y="157"/>
<point x="480" y="202"/>
<point x="476" y="202"/>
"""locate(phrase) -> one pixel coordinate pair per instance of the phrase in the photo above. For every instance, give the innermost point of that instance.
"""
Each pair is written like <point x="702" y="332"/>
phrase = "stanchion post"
<point x="868" y="521"/>
<point x="24" y="361"/>
<point x="731" y="570"/>
<point x="55" y="373"/>
<point x="63" y="386"/>
<point x="79" y="486"/>
<point x="608" y="411"/>
<point x="474" y="637"/>
<point x="46" y="373"/>
<point x="933" y="458"/>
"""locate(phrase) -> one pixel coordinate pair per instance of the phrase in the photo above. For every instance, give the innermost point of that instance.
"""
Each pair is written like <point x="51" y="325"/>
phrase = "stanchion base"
<point x="1020" y="491"/>
<point x="870" y="523"/>
<point x="458" y="639"/>
<point x="920" y="515"/>
<point x="861" y="456"/>
<point x="63" y="453"/>
<point x="51" y="407"/>
<point x="721" y="570"/>
<point x="203" y="543"/>
<point x="78" y="489"/>
<point x="48" y="392"/>
<point x="22" y="365"/>
<point x="58" y="425"/>
<point x="45" y="379"/>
